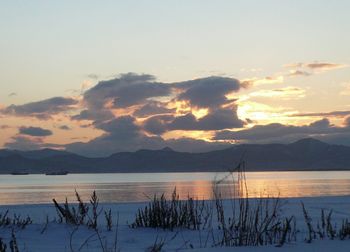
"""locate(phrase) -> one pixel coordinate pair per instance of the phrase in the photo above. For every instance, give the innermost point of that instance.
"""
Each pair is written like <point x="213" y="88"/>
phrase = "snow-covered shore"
<point x="40" y="236"/>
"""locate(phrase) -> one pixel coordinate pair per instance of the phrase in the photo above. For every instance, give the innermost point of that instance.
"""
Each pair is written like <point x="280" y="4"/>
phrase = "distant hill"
<point x="34" y="154"/>
<point x="305" y="154"/>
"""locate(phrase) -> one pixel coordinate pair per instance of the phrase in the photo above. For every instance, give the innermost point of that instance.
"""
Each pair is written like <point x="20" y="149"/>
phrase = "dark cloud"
<point x="34" y="131"/>
<point x="158" y="124"/>
<point x="94" y="115"/>
<point x="313" y="66"/>
<point x="332" y="114"/>
<point x="208" y="92"/>
<point x="323" y="65"/>
<point x="216" y="120"/>
<point x="127" y="90"/>
<point x="42" y="109"/>
<point x="321" y="124"/>
<point x="153" y="108"/>
<point x="122" y="134"/>
<point x="276" y="132"/>
<point x="24" y="143"/>
<point x="121" y="128"/>
<point x="121" y="92"/>
<point x="84" y="126"/>
<point x="132" y="89"/>
<point x="142" y="91"/>
<point x="64" y="127"/>
<point x="12" y="94"/>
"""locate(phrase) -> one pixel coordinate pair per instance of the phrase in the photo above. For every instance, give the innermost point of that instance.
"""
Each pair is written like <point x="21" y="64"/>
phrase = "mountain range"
<point x="305" y="154"/>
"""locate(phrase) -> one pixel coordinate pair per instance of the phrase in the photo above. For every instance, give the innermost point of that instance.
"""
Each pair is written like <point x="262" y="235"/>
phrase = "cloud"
<point x="135" y="110"/>
<point x="124" y="91"/>
<point x="12" y="94"/>
<point x="123" y="134"/>
<point x="215" y="120"/>
<point x="277" y="132"/>
<point x="24" y="143"/>
<point x="287" y="93"/>
<point x="208" y="92"/>
<point x="295" y="73"/>
<point x="157" y="124"/>
<point x="264" y="81"/>
<point x="152" y="108"/>
<point x="324" y="65"/>
<point x="34" y="131"/>
<point x="94" y="115"/>
<point x="42" y="109"/>
<point x="64" y="127"/>
<point x="93" y="76"/>
<point x="315" y="67"/>
<point x="323" y="114"/>
<point x="142" y="96"/>
<point x="121" y="128"/>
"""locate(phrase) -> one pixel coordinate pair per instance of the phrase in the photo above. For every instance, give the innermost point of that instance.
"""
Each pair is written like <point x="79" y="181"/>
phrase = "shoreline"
<point x="188" y="171"/>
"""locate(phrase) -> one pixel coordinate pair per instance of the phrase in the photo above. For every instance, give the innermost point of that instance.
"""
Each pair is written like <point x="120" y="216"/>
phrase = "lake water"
<point x="136" y="187"/>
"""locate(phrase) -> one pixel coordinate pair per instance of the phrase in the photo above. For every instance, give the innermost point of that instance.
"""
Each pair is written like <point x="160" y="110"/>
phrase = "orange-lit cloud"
<point x="263" y="113"/>
<point x="287" y="93"/>
<point x="199" y="134"/>
<point x="295" y="73"/>
<point x="315" y="67"/>
<point x="264" y="81"/>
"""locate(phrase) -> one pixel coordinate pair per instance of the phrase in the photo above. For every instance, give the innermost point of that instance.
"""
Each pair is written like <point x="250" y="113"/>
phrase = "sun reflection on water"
<point x="35" y="189"/>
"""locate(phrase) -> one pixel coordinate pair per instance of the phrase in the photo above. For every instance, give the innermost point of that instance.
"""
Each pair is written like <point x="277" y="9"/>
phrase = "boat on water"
<point x="57" y="173"/>
<point x="19" y="173"/>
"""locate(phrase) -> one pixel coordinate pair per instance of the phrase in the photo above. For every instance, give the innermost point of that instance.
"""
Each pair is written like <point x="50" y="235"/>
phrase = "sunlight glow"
<point x="199" y="113"/>
<point x="196" y="134"/>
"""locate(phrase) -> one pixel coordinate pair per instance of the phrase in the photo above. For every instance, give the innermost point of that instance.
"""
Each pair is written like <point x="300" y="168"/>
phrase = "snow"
<point x="64" y="237"/>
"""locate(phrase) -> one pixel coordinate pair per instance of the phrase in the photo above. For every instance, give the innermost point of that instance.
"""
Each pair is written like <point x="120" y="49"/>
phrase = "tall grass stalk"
<point x="252" y="222"/>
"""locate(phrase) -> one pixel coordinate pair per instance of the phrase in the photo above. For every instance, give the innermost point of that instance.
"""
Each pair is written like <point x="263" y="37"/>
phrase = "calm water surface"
<point x="133" y="187"/>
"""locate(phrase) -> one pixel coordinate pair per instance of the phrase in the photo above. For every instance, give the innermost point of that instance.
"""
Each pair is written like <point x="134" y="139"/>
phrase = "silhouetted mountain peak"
<point x="167" y="149"/>
<point x="34" y="154"/>
<point x="309" y="142"/>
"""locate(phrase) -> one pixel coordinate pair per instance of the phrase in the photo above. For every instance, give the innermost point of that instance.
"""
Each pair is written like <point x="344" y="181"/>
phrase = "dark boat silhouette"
<point x="19" y="173"/>
<point x="57" y="173"/>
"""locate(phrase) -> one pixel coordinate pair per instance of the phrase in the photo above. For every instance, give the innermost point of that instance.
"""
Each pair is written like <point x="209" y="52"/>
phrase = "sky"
<point x="97" y="78"/>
